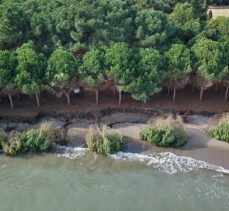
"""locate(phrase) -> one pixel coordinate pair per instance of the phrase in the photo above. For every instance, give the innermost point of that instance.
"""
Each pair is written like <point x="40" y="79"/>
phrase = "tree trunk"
<point x="38" y="100"/>
<point x="226" y="93"/>
<point x="119" y="97"/>
<point x="174" y="94"/>
<point x="168" y="89"/>
<point x="201" y="93"/>
<point x="68" y="98"/>
<point x="216" y="87"/>
<point x="97" y="96"/>
<point x="145" y="98"/>
<point x="114" y="92"/>
<point x="11" y="101"/>
<point x="193" y="88"/>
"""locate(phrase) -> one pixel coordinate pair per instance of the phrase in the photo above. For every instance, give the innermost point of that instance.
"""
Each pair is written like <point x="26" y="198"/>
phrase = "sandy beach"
<point x="200" y="146"/>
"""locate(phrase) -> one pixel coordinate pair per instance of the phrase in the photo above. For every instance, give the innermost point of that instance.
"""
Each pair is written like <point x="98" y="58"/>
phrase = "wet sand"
<point x="200" y="146"/>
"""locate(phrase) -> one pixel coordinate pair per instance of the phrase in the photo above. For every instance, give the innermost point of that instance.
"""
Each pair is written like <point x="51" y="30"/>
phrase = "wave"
<point x="169" y="162"/>
<point x="165" y="161"/>
<point x="71" y="152"/>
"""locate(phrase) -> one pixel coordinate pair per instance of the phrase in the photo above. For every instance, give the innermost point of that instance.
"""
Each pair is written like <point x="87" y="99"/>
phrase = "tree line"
<point x="137" y="47"/>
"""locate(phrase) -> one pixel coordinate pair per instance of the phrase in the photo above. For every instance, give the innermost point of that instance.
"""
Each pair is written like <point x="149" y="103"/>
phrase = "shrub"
<point x="220" y="131"/>
<point x="164" y="133"/>
<point x="34" y="140"/>
<point x="3" y="138"/>
<point x="102" y="142"/>
<point x="55" y="134"/>
<point x="37" y="140"/>
<point x="13" y="145"/>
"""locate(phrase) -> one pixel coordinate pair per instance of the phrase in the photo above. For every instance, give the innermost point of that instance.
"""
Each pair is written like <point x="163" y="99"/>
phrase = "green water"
<point x="90" y="182"/>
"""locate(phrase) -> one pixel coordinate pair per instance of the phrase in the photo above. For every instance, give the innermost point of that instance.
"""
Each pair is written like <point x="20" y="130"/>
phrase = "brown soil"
<point x="186" y="101"/>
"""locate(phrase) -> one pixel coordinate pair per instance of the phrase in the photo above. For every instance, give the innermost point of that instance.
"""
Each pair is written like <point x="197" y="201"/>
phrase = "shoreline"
<point x="199" y="147"/>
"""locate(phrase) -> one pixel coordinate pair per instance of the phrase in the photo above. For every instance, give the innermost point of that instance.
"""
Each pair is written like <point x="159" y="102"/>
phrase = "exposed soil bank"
<point x="84" y="106"/>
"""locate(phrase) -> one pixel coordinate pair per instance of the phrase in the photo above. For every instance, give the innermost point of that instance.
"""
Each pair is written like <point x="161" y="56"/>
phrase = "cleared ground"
<point x="221" y="11"/>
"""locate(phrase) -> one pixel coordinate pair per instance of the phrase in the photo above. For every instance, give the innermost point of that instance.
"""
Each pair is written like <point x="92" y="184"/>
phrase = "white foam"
<point x="169" y="162"/>
<point x="165" y="161"/>
<point x="71" y="152"/>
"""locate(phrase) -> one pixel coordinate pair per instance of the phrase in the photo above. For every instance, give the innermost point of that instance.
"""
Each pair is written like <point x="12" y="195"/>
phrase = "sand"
<point x="200" y="146"/>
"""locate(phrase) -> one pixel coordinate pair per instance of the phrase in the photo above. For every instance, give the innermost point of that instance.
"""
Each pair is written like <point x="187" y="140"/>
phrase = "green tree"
<point x="8" y="73"/>
<point x="178" y="67"/>
<point x="148" y="75"/>
<point x="217" y="29"/>
<point x="152" y="28"/>
<point x="14" y="24"/>
<point x="120" y="66"/>
<point x="62" y="73"/>
<point x="208" y="63"/>
<point x="223" y="75"/>
<point x="42" y="32"/>
<point x="87" y="26"/>
<point x="184" y="18"/>
<point x="30" y="70"/>
<point x="92" y="70"/>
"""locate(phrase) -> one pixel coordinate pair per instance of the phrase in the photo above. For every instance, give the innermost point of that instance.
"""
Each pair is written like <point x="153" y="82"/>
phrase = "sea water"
<point x="75" y="179"/>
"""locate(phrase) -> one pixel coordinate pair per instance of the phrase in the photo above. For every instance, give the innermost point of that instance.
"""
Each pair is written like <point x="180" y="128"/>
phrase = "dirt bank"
<point x="84" y="106"/>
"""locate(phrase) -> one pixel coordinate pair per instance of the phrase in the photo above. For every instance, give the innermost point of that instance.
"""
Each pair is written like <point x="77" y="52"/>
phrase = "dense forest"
<point x="135" y="46"/>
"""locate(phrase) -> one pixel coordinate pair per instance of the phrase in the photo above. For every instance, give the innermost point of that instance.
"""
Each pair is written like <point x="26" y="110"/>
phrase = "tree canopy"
<point x="178" y="60"/>
<point x="93" y="70"/>
<point x="30" y="70"/>
<point x="8" y="64"/>
<point x="139" y="47"/>
<point x="148" y="75"/>
<point x="119" y="59"/>
<point x="62" y="73"/>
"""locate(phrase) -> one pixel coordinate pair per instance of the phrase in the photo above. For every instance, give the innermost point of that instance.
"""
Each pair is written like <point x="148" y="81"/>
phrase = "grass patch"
<point x="100" y="141"/>
<point x="164" y="133"/>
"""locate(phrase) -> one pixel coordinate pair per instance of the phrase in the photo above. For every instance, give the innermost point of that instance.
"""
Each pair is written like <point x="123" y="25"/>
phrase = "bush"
<point x="220" y="131"/>
<point x="102" y="142"/>
<point x="13" y="145"/>
<point x="3" y="138"/>
<point x="34" y="140"/>
<point x="164" y="134"/>
<point x="54" y="134"/>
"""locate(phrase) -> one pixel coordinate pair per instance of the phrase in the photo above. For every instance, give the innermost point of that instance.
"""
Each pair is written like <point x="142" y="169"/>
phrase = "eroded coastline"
<point x="200" y="146"/>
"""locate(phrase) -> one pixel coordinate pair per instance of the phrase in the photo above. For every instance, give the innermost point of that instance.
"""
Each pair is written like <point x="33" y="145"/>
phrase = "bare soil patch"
<point x="25" y="106"/>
